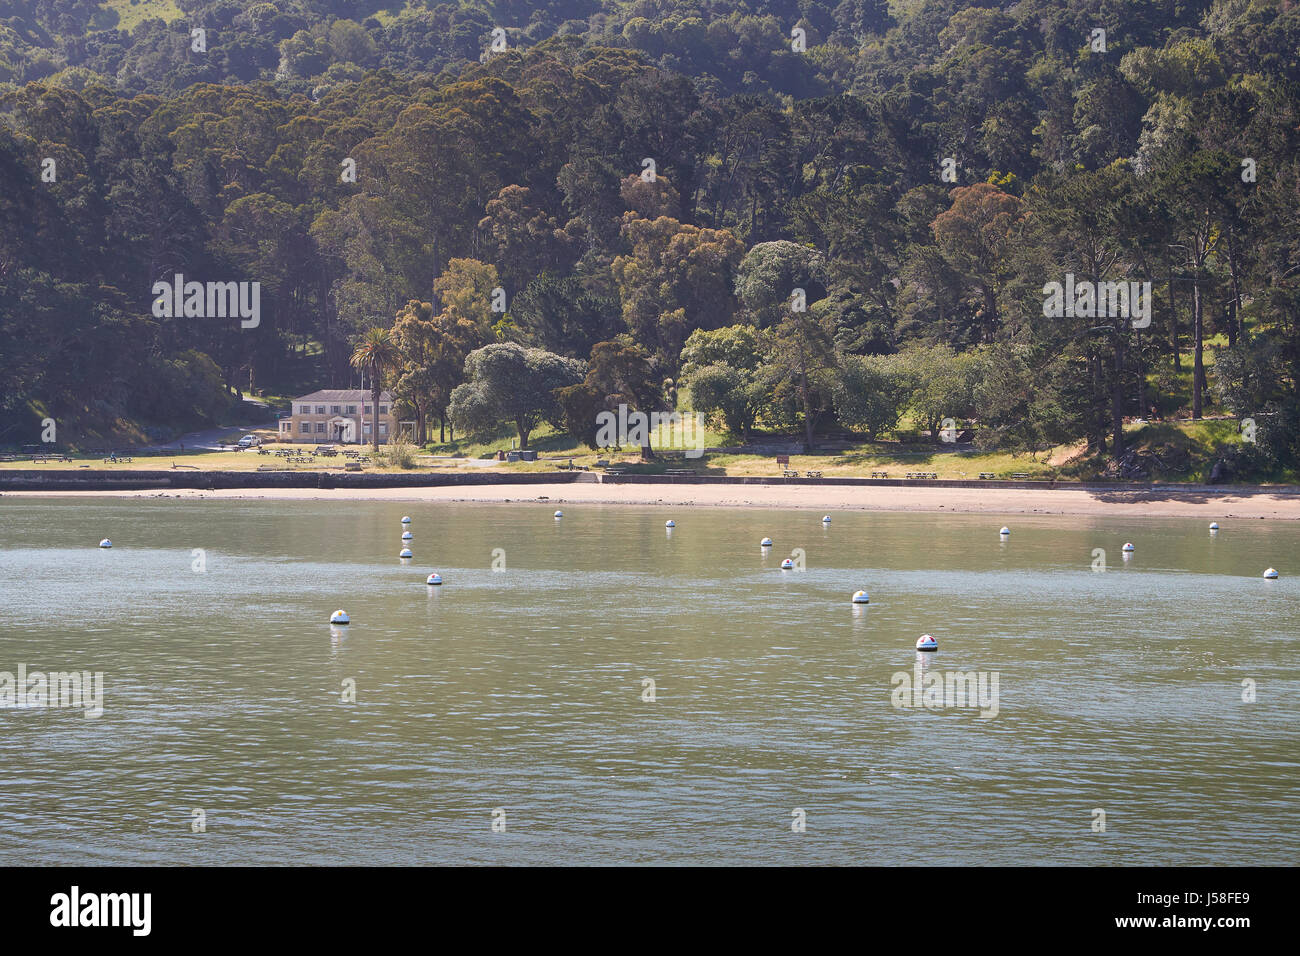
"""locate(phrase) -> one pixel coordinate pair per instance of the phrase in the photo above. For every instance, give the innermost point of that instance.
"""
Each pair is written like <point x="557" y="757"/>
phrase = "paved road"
<point x="256" y="414"/>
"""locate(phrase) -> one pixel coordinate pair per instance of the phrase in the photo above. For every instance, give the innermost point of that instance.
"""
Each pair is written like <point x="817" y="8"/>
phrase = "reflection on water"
<point x="227" y="689"/>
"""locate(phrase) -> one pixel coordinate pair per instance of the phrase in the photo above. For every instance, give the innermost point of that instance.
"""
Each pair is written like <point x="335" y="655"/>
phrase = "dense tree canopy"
<point x="659" y="169"/>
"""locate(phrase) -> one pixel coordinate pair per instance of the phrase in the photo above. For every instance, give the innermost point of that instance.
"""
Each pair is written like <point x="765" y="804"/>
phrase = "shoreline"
<point x="1240" y="503"/>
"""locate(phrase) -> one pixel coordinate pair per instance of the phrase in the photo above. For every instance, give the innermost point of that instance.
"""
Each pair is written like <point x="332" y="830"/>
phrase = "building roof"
<point x="344" y="395"/>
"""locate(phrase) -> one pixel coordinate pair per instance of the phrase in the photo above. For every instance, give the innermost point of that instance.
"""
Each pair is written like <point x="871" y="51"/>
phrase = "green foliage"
<point x="509" y="383"/>
<point x="619" y="373"/>
<point x="921" y="176"/>
<point x="871" y="394"/>
<point x="398" y="452"/>
<point x="941" y="383"/>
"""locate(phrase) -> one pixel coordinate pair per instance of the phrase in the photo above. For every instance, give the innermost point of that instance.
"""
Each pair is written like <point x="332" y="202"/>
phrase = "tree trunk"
<point x="1141" y="377"/>
<point x="807" y="412"/>
<point x="1235" y="326"/>
<point x="523" y="430"/>
<point x="990" y="314"/>
<point x="442" y="426"/>
<point x="1198" y="369"/>
<point x="1096" y="436"/>
<point x="1173" y="314"/>
<point x="1117" y="399"/>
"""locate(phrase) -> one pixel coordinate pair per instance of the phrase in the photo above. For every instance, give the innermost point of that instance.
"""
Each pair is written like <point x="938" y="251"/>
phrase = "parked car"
<point x="249" y="441"/>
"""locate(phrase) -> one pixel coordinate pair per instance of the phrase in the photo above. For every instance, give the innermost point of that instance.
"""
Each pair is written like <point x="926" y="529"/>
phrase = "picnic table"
<point x="681" y="471"/>
<point x="111" y="459"/>
<point x="1020" y="476"/>
<point x="880" y="474"/>
<point x="44" y="458"/>
<point x="987" y="474"/>
<point x="922" y="474"/>
<point x="614" y="471"/>
<point x="814" y="474"/>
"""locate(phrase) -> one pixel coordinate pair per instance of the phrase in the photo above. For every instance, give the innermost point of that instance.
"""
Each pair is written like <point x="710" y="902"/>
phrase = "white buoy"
<point x="826" y="519"/>
<point x="559" y="514"/>
<point x="1005" y="530"/>
<point x="670" y="523"/>
<point x="1128" y="546"/>
<point x="765" y="543"/>
<point x="406" y="553"/>
<point x="787" y="564"/>
<point x="407" y="536"/>
<point x="1270" y="574"/>
<point x="1214" y="526"/>
<point x="926" y="643"/>
<point x="860" y="597"/>
<point x="340" y="617"/>
<point x="406" y="519"/>
<point x="106" y="543"/>
<point x="434" y="579"/>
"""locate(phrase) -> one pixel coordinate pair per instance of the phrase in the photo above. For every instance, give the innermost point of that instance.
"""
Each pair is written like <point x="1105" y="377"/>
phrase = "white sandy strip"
<point x="1209" y="505"/>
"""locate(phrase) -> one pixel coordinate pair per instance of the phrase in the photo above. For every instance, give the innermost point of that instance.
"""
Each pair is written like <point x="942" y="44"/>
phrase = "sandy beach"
<point x="1229" y="503"/>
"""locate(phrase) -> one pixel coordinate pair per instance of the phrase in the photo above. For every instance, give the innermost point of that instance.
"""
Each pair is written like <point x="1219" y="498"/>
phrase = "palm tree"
<point x="377" y="355"/>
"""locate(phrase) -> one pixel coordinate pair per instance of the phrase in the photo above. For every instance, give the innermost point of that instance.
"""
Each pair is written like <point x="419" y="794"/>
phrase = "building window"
<point x="352" y="409"/>
<point x="335" y="409"/>
<point x="306" y="427"/>
<point x="320" y="409"/>
<point x="320" y="428"/>
<point x="365" y="429"/>
<point x="383" y="409"/>
<point x="383" y="428"/>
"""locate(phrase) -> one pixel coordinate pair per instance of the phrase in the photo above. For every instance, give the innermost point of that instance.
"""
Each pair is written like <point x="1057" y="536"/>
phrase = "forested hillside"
<point x="795" y="216"/>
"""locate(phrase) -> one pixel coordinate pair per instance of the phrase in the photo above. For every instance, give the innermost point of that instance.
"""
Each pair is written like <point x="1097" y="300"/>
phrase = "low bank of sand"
<point x="1239" y="503"/>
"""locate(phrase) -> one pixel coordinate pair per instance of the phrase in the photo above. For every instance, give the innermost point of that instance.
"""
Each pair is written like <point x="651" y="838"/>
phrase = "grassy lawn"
<point x="198" y="461"/>
<point x="128" y="14"/>
<point x="1182" y="451"/>
<point x="384" y="12"/>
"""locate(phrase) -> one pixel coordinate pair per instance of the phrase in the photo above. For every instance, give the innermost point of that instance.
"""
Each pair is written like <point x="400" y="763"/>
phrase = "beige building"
<point x="338" y="416"/>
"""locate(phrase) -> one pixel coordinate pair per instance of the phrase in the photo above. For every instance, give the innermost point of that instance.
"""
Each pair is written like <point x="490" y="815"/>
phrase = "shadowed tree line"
<point x="833" y="238"/>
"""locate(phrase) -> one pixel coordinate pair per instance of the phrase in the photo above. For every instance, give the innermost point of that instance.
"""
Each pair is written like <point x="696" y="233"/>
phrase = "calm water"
<point x="522" y="689"/>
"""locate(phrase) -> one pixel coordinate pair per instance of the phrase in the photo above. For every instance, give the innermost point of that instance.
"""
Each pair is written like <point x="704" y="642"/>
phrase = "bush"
<point x="870" y="394"/>
<point x="398" y="453"/>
